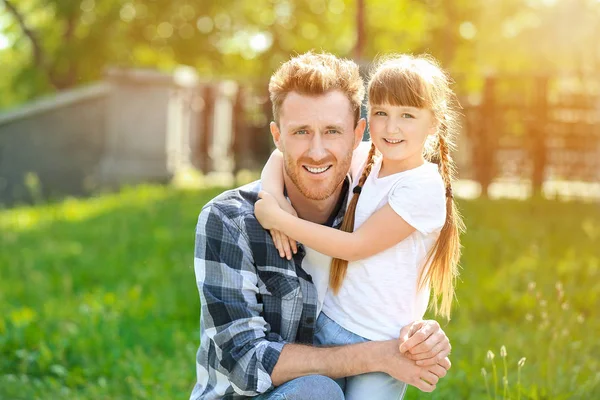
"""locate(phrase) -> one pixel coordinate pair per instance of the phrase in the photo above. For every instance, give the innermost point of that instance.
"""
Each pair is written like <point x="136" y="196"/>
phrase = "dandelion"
<point x="531" y="286"/>
<point x="544" y="315"/>
<point x="559" y="290"/>
<point x="580" y="318"/>
<point x="564" y="306"/>
<point x="487" y="386"/>
<point x="490" y="356"/>
<point x="528" y="317"/>
<point x="521" y="363"/>
<point x="505" y="377"/>
<point x="543" y="303"/>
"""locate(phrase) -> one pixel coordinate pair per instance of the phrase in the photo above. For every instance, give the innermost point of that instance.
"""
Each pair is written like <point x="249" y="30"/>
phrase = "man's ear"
<point x="276" y="135"/>
<point x="359" y="131"/>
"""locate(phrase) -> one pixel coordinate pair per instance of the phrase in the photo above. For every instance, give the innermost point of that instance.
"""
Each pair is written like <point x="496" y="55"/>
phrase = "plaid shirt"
<point x="252" y="300"/>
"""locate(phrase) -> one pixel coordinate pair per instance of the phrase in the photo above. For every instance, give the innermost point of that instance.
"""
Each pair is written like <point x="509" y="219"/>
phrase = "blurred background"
<point x="120" y="119"/>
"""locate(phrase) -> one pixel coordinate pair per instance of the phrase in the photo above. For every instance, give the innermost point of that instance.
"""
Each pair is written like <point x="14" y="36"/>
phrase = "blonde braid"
<point x="339" y="266"/>
<point x="445" y="254"/>
<point x="447" y="169"/>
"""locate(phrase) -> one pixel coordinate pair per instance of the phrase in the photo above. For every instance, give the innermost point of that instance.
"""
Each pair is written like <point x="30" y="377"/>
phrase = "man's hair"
<point x="316" y="74"/>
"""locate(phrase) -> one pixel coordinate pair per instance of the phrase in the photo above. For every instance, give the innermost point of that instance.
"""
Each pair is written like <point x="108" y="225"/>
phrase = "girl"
<point x="401" y="228"/>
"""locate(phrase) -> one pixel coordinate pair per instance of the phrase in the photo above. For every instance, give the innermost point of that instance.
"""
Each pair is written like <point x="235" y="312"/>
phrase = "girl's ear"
<point x="435" y="126"/>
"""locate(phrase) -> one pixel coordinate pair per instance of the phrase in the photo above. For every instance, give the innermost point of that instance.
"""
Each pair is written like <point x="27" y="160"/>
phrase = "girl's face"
<point x="400" y="133"/>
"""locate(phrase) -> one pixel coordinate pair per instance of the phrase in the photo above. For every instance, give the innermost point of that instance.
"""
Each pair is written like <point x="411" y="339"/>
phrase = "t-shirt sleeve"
<point x="421" y="202"/>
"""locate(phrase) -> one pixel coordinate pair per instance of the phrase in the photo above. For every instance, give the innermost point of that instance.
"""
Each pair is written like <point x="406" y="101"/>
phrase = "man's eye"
<point x="333" y="131"/>
<point x="301" y="132"/>
<point x="407" y="115"/>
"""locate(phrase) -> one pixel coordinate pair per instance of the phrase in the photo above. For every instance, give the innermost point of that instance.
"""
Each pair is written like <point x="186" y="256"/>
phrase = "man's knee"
<point x="315" y="387"/>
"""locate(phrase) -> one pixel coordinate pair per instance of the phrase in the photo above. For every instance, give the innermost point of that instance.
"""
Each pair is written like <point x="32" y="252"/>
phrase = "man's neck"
<point x="317" y="211"/>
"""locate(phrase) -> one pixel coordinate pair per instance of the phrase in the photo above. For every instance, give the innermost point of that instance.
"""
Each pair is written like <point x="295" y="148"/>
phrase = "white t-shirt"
<point x="379" y="294"/>
<point x="317" y="264"/>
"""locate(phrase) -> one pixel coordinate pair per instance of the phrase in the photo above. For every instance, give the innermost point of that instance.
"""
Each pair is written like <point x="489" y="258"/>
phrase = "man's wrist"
<point x="378" y="354"/>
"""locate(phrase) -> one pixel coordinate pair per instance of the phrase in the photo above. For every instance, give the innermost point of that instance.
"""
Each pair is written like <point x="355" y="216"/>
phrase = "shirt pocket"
<point x="282" y="304"/>
<point x="281" y="286"/>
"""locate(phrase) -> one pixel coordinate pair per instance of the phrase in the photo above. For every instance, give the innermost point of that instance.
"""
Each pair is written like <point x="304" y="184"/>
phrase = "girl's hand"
<point x="267" y="210"/>
<point x="288" y="244"/>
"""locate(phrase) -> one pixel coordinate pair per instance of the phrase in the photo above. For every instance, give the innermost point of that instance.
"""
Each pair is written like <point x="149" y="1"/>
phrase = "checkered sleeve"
<point x="241" y="348"/>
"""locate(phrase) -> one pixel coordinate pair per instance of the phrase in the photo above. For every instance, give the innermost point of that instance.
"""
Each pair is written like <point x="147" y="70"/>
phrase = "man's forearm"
<point x="354" y="359"/>
<point x="335" y="362"/>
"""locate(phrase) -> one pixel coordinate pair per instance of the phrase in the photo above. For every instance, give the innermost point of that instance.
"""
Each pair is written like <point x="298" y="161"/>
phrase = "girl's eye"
<point x="407" y="115"/>
<point x="380" y="113"/>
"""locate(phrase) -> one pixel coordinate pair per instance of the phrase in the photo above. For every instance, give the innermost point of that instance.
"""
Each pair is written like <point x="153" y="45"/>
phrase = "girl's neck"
<point x="390" y="167"/>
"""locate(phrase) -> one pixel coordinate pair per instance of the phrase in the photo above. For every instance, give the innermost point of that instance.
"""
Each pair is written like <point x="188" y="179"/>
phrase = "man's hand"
<point x="397" y="365"/>
<point x="425" y="342"/>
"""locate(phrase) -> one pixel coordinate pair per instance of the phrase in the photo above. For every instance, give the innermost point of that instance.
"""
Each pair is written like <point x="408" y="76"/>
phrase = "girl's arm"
<point x="272" y="182"/>
<point x="271" y="177"/>
<point x="381" y="231"/>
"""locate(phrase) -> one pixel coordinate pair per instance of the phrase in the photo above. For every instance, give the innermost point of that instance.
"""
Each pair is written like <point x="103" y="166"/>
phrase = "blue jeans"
<point x="310" y="387"/>
<point x="372" y="386"/>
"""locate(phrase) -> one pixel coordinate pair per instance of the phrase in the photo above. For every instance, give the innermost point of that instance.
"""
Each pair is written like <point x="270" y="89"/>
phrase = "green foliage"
<point x="245" y="40"/>
<point x="98" y="299"/>
<point x="529" y="282"/>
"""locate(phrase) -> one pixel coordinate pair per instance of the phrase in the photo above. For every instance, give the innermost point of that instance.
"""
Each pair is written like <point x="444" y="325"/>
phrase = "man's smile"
<point x="316" y="170"/>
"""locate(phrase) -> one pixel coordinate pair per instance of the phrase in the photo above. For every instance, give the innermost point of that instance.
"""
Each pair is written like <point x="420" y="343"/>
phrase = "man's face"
<point x="316" y="135"/>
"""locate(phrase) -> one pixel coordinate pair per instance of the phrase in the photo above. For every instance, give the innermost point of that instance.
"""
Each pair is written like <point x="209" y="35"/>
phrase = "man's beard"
<point x="320" y="193"/>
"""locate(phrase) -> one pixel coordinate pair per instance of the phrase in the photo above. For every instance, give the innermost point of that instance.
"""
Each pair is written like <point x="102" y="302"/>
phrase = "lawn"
<point x="98" y="299"/>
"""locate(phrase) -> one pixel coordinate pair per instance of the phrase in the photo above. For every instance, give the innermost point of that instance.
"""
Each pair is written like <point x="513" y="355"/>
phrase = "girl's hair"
<point x="405" y="80"/>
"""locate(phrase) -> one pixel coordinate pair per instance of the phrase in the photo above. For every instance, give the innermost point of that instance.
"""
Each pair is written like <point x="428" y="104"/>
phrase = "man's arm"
<point x="336" y="362"/>
<point x="239" y="340"/>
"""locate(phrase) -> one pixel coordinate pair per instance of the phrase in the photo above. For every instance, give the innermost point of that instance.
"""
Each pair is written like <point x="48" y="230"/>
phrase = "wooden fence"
<point x="534" y="129"/>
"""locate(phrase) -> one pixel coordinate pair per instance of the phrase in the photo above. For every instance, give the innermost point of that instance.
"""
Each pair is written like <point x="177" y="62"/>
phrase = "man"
<point x="258" y="310"/>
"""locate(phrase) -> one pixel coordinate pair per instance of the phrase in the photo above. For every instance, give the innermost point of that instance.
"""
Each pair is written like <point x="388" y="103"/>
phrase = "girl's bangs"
<point x="397" y="88"/>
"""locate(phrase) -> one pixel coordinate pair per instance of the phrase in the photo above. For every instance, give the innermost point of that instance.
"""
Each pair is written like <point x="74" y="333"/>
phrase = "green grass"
<point x="98" y="299"/>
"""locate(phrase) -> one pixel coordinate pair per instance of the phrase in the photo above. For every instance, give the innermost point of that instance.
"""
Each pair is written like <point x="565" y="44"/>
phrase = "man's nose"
<point x="317" y="150"/>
